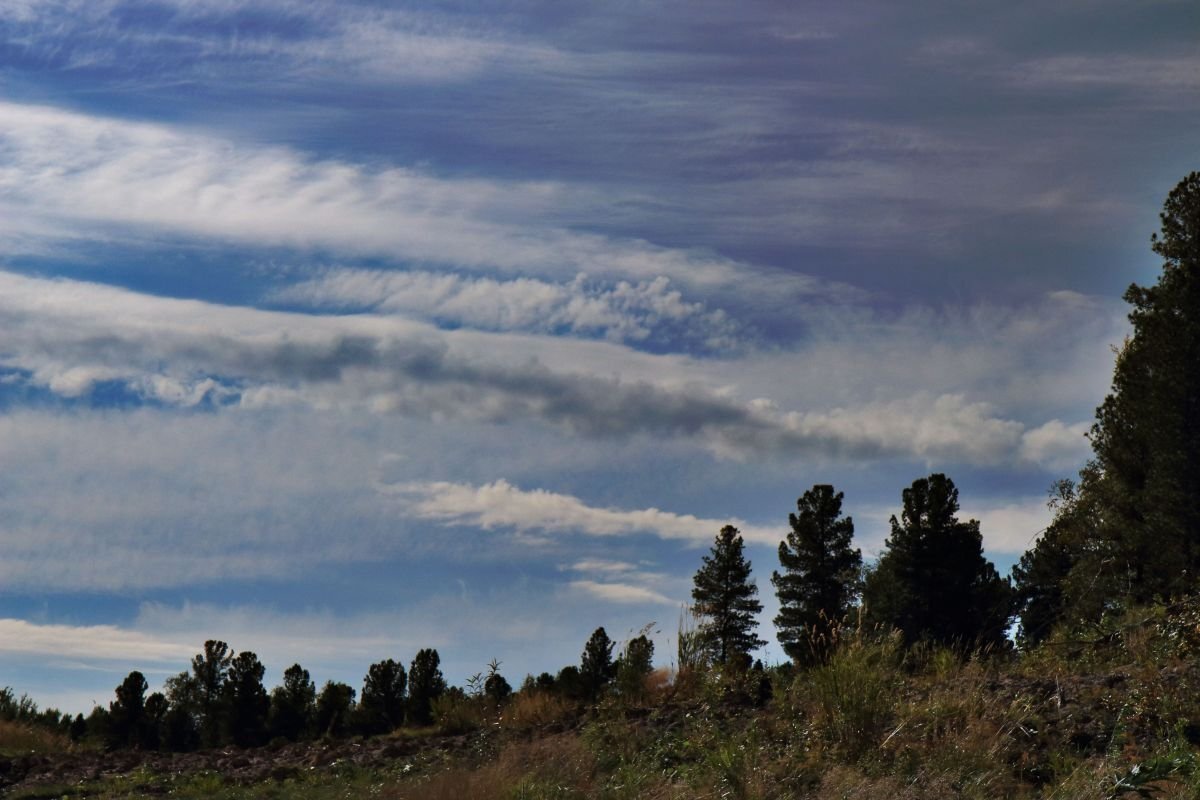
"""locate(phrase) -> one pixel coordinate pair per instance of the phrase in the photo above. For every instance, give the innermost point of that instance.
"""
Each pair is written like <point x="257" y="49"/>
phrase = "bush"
<point x="454" y="712"/>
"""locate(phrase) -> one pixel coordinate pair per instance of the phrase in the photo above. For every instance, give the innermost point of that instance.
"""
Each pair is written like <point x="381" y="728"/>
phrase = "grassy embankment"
<point x="1095" y="714"/>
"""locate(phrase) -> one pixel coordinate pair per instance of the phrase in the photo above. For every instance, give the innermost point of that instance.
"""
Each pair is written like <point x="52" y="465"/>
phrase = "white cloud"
<point x="622" y="593"/>
<point x="1057" y="444"/>
<point x="1010" y="527"/>
<point x="603" y="566"/>
<point x="87" y="642"/>
<point x="628" y="312"/>
<point x="502" y="505"/>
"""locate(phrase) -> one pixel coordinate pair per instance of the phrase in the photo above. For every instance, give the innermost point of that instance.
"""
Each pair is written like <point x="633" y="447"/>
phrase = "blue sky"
<point x="337" y="330"/>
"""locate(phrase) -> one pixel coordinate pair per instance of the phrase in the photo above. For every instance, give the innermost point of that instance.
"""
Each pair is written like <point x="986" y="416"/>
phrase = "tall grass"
<point x="24" y="737"/>
<point x="852" y="698"/>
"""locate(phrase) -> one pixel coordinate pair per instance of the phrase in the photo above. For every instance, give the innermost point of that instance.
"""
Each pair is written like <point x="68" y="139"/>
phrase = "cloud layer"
<point x="71" y="336"/>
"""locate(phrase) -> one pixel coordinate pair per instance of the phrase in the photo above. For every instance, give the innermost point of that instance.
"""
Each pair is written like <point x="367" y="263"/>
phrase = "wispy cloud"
<point x="622" y="582"/>
<point x="88" y="642"/>
<point x="647" y="312"/>
<point x="1165" y="73"/>
<point x="311" y="41"/>
<point x="623" y="593"/>
<point x="61" y="169"/>
<point x="502" y="505"/>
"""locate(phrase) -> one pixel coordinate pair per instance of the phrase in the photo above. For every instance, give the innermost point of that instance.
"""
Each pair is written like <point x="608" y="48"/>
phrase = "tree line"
<point x="221" y="699"/>
<point x="931" y="582"/>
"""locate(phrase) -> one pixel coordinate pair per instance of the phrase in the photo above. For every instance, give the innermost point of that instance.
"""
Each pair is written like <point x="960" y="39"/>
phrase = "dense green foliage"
<point x="1147" y="432"/>
<point x="725" y="599"/>
<point x="1129" y="530"/>
<point x="820" y="573"/>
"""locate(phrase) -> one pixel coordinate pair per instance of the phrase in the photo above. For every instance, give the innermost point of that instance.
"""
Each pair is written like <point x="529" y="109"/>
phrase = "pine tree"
<point x="596" y="667"/>
<point x="293" y="705"/>
<point x="634" y="665"/>
<point x="246" y="701"/>
<point x="209" y="670"/>
<point x="1147" y="432"/>
<point x="724" y="598"/>
<point x="126" y="715"/>
<point x="932" y="581"/>
<point x="1057" y="577"/>
<point x="425" y="684"/>
<point x="383" y="696"/>
<point x="820" y="571"/>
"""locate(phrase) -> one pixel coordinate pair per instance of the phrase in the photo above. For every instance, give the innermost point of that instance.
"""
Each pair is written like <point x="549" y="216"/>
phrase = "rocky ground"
<point x="234" y="765"/>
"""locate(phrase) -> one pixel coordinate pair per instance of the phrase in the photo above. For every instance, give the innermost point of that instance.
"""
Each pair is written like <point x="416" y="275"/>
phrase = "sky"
<point x="336" y="330"/>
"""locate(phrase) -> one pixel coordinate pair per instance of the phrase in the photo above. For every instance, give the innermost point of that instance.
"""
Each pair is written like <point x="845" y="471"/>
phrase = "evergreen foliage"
<point x="181" y="728"/>
<point x="1129" y="531"/>
<point x="932" y="581"/>
<point x="634" y="665"/>
<point x="384" y="694"/>
<point x="596" y="667"/>
<point x="569" y="683"/>
<point x="820" y="570"/>
<point x="1146" y="437"/>
<point x="127" y="714"/>
<point x="496" y="689"/>
<point x="335" y="704"/>
<point x="1060" y="572"/>
<point x="246" y="701"/>
<point x="724" y="598"/>
<point x="293" y="705"/>
<point x="425" y="684"/>
<point x="209" y="670"/>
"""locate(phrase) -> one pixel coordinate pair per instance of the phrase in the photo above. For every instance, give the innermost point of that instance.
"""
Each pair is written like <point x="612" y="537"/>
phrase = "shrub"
<point x="852" y="698"/>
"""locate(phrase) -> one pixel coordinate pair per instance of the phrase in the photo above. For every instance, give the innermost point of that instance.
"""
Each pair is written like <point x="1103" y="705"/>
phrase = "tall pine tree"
<point x="932" y="581"/>
<point x="1147" y="433"/>
<point x="724" y="597"/>
<point x="820" y="571"/>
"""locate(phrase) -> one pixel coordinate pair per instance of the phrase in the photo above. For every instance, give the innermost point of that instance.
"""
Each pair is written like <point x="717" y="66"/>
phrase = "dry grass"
<point x="19" y="737"/>
<point x="549" y="767"/>
<point x="535" y="709"/>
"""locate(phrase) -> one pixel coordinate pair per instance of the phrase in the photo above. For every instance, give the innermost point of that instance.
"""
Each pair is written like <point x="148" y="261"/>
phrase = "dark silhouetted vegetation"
<point x="932" y="582"/>
<point x="596" y="666"/>
<point x="820" y="576"/>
